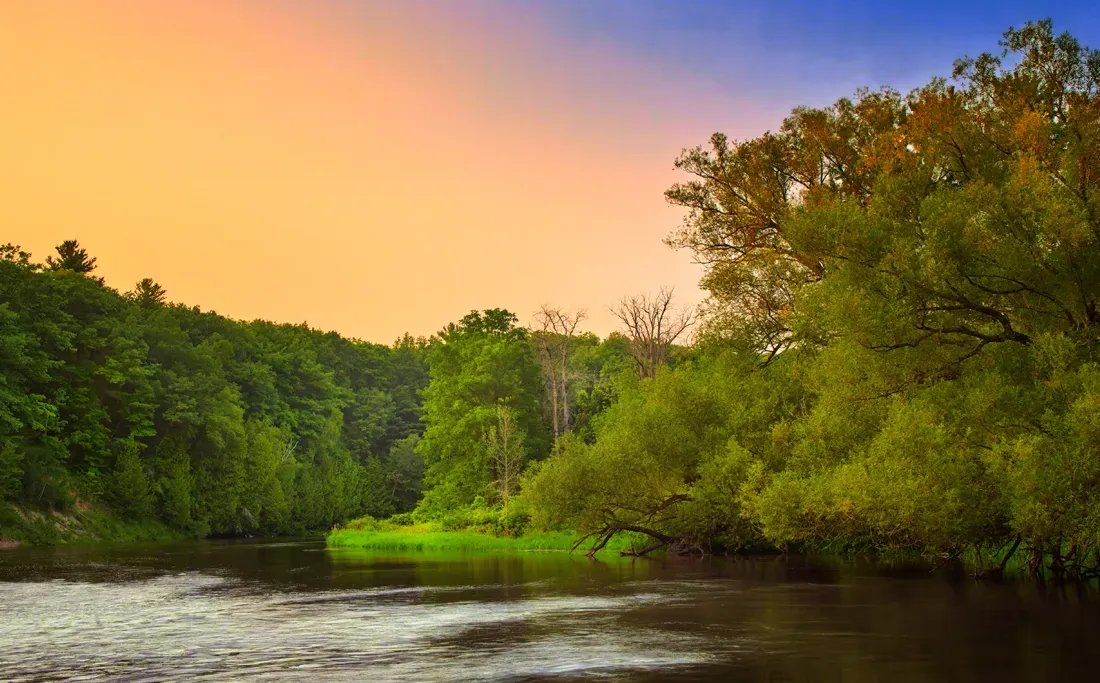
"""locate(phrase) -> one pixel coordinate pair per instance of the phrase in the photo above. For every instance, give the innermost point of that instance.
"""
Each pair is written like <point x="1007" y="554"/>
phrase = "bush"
<point x="402" y="519"/>
<point x="365" y="523"/>
<point x="517" y="520"/>
<point x="472" y="517"/>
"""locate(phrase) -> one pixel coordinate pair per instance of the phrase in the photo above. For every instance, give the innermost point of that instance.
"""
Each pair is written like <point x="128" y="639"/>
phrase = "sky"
<point x="377" y="168"/>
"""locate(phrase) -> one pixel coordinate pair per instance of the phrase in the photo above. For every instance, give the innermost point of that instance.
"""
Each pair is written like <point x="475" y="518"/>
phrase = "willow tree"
<point x="744" y="195"/>
<point x="932" y="263"/>
<point x="950" y="264"/>
<point x="970" y="207"/>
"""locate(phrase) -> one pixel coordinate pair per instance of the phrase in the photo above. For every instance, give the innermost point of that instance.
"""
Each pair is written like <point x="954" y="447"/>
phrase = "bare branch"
<point x="653" y="327"/>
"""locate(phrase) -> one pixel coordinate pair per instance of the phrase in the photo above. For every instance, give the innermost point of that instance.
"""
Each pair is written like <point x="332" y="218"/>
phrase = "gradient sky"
<point x="382" y="167"/>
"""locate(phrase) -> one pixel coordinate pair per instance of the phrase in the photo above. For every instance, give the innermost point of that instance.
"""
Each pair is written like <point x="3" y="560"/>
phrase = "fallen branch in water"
<point x="998" y="572"/>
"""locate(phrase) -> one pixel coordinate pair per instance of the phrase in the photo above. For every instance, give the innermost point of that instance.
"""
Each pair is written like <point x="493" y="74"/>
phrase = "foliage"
<point x="898" y="352"/>
<point x="667" y="456"/>
<point x="405" y="473"/>
<point x="71" y="256"/>
<point x="46" y="527"/>
<point x="204" y="424"/>
<point x="477" y="366"/>
<point x="904" y="290"/>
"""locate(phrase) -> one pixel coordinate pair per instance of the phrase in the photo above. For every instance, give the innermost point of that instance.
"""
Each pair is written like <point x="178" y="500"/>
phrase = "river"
<point x="294" y="610"/>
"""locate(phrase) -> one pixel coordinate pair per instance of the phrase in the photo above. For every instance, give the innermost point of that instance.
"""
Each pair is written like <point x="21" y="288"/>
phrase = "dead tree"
<point x="504" y="442"/>
<point x="653" y="326"/>
<point x="288" y="450"/>
<point x="556" y="330"/>
<point x="545" y="345"/>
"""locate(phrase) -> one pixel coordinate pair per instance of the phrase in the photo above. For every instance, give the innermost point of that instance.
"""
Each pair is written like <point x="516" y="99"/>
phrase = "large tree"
<point x="554" y="339"/>
<point x="925" y="270"/>
<point x="477" y="365"/>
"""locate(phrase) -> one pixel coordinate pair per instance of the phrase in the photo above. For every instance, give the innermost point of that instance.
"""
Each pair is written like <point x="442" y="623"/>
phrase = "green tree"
<point x="476" y="365"/>
<point x="910" y="284"/>
<point x="11" y="472"/>
<point x="130" y="491"/>
<point x="13" y="253"/>
<point x="71" y="256"/>
<point x="208" y="424"/>
<point x="148" y="293"/>
<point x="405" y="473"/>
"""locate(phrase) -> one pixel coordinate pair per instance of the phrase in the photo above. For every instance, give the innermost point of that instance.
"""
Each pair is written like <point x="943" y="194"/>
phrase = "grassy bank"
<point x="31" y="526"/>
<point x="423" y="538"/>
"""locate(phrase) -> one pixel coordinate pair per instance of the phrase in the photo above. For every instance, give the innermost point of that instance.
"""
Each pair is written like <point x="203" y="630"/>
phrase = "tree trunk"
<point x="656" y="545"/>
<point x="1035" y="563"/>
<point x="564" y="388"/>
<point x="554" y="400"/>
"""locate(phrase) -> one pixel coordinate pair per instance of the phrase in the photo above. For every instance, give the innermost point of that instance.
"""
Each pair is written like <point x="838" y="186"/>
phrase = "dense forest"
<point x="209" y="425"/>
<point x="898" y="351"/>
<point x="212" y="426"/>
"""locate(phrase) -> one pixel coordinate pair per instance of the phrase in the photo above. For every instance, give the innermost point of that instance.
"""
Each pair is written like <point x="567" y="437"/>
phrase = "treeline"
<point x="213" y="426"/>
<point x="207" y="424"/>
<point x="899" y="350"/>
<point x="503" y="397"/>
<point x="900" y="344"/>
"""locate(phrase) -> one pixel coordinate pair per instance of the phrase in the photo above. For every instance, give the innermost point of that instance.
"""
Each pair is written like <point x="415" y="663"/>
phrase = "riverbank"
<point x="425" y="537"/>
<point x="22" y="526"/>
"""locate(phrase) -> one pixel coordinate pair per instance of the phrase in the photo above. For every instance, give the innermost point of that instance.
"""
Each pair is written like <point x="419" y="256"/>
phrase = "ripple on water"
<point x="195" y="626"/>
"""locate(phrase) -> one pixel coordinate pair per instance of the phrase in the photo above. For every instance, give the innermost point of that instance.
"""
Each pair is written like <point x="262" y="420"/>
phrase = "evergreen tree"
<point x="71" y="256"/>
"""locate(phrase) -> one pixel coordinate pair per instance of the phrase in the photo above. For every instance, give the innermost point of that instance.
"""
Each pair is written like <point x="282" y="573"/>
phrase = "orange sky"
<point x="372" y="168"/>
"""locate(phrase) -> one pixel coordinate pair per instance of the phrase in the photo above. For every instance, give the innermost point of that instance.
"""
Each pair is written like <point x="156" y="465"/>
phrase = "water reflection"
<point x="280" y="611"/>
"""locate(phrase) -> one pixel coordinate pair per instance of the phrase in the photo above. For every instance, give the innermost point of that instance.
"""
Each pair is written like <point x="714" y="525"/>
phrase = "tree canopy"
<point x="909" y="285"/>
<point x="207" y="424"/>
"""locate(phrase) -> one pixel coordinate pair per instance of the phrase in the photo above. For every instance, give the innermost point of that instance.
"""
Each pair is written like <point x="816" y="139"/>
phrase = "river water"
<point x="297" y="611"/>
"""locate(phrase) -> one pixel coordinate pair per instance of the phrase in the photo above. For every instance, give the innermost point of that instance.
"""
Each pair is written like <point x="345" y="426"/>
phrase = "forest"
<point x="898" y="352"/>
<point x="205" y="424"/>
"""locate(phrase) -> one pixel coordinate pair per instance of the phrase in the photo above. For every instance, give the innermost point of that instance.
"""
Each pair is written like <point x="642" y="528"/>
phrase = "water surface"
<point x="295" y="610"/>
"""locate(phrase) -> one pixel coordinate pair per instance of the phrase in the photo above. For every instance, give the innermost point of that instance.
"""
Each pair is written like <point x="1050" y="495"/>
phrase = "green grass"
<point x="31" y="526"/>
<point x="421" y="539"/>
